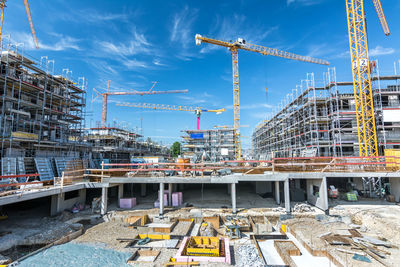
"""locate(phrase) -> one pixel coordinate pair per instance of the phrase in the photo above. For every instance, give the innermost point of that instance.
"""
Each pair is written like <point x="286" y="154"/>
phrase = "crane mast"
<point x="28" y="14"/>
<point x="361" y="70"/>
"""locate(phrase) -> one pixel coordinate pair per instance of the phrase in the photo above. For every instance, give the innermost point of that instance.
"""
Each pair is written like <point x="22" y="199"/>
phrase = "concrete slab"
<point x="270" y="254"/>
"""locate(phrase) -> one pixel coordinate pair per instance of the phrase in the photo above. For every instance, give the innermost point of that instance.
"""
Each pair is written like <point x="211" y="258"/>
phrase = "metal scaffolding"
<point x="317" y="119"/>
<point x="41" y="114"/>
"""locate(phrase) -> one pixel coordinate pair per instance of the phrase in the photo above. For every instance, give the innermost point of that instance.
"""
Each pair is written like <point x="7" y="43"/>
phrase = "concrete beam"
<point x="38" y="194"/>
<point x="104" y="200"/>
<point x="233" y="195"/>
<point x="161" y="198"/>
<point x="287" y="196"/>
<point x="277" y="193"/>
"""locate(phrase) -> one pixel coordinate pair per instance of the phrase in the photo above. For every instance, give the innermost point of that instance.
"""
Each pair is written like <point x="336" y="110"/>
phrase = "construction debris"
<point x="302" y="207"/>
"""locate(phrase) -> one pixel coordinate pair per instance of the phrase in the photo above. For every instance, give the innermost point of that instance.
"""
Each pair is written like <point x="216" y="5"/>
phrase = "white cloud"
<point x="63" y="42"/>
<point x="182" y="34"/>
<point x="138" y="44"/>
<point x="199" y="99"/>
<point x="158" y="62"/>
<point x="181" y="29"/>
<point x="235" y="26"/>
<point x="303" y="2"/>
<point x="134" y="64"/>
<point x="91" y="16"/>
<point x="252" y="106"/>
<point x="381" y="51"/>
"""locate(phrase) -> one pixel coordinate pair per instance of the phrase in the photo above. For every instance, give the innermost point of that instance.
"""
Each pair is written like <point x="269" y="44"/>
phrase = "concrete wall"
<point x="263" y="187"/>
<point x="358" y="183"/>
<point x="321" y="200"/>
<point x="395" y="188"/>
<point x="59" y="204"/>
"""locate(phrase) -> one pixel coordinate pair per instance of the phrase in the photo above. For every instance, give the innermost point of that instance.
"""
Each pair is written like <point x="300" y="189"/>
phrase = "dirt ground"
<point x="378" y="218"/>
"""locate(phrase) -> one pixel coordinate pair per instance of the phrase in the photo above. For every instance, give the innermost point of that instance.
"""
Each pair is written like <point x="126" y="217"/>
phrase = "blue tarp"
<point x="196" y="136"/>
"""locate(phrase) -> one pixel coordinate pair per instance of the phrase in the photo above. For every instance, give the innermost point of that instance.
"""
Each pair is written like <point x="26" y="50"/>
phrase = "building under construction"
<point x="118" y="145"/>
<point x="41" y="114"/>
<point x="209" y="145"/>
<point x="321" y="120"/>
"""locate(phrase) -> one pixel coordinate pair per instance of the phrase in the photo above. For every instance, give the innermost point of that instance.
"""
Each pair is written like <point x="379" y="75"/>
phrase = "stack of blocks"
<point x="176" y="199"/>
<point x="127" y="203"/>
<point x="157" y="203"/>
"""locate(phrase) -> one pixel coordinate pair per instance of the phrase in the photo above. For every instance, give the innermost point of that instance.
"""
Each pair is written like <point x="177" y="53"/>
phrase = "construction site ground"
<point x="28" y="229"/>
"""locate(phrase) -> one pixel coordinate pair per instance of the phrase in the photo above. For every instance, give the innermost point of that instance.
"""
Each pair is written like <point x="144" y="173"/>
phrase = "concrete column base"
<point x="277" y="193"/>
<point x="170" y="194"/>
<point x="104" y="200"/>
<point x="161" y="198"/>
<point x="233" y="194"/>
<point x="287" y="196"/>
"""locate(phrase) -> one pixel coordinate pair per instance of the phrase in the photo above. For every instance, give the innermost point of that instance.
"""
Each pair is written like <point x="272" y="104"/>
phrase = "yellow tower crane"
<point x="196" y="110"/>
<point x="363" y="95"/>
<point x="234" y="48"/>
<point x="28" y="14"/>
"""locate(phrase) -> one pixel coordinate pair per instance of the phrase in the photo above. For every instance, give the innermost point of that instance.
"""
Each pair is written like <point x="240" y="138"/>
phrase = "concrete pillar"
<point x="233" y="194"/>
<point x="161" y="198"/>
<point x="324" y="195"/>
<point x="170" y="194"/>
<point x="287" y="196"/>
<point x="277" y="193"/>
<point x="143" y="190"/>
<point x="104" y="199"/>
<point x="120" y="192"/>
<point x="56" y="204"/>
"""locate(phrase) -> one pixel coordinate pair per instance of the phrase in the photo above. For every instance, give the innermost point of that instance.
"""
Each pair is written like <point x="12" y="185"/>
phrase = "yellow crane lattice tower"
<point x="361" y="69"/>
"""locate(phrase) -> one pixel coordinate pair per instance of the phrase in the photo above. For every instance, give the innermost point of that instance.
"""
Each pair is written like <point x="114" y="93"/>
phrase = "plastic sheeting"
<point x="74" y="254"/>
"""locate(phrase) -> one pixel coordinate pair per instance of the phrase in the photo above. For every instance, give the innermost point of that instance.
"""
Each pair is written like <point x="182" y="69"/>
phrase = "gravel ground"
<point x="247" y="255"/>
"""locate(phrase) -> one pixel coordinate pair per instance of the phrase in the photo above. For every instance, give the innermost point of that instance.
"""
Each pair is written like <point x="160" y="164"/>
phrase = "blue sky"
<point x="133" y="43"/>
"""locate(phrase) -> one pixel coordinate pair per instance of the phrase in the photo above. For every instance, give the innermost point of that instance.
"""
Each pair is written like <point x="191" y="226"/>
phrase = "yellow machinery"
<point x="361" y="69"/>
<point x="203" y="246"/>
<point x="196" y="110"/>
<point x="28" y="14"/>
<point x="234" y="48"/>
